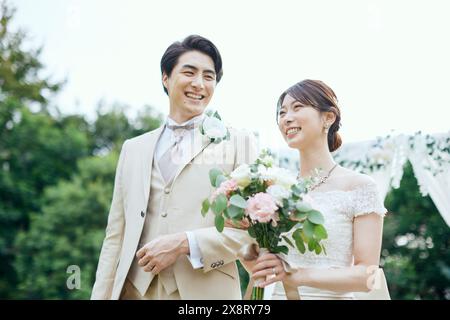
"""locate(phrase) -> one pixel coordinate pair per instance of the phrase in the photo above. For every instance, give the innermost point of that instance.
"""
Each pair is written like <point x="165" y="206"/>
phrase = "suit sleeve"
<point x="220" y="248"/>
<point x="112" y="244"/>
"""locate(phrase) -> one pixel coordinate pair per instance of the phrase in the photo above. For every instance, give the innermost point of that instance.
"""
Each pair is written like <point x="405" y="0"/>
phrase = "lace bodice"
<point x="339" y="208"/>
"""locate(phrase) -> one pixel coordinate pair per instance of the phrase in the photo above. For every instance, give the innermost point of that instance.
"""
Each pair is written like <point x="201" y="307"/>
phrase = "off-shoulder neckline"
<point x="358" y="188"/>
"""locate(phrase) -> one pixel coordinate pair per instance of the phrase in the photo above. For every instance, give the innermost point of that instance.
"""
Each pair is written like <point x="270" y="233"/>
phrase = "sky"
<point x="387" y="61"/>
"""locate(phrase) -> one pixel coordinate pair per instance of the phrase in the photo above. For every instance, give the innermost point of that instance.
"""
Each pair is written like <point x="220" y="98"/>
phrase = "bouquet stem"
<point x="257" y="292"/>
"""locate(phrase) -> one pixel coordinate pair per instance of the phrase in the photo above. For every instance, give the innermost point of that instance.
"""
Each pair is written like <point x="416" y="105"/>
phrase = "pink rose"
<point x="261" y="207"/>
<point x="225" y="188"/>
<point x="228" y="186"/>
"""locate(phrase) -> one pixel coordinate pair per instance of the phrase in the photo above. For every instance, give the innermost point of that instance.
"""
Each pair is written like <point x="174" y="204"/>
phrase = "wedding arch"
<point x="383" y="159"/>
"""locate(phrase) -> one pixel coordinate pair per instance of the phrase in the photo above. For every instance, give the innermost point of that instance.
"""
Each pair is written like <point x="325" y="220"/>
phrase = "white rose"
<point x="267" y="160"/>
<point x="242" y="175"/>
<point x="214" y="128"/>
<point x="278" y="193"/>
<point x="280" y="176"/>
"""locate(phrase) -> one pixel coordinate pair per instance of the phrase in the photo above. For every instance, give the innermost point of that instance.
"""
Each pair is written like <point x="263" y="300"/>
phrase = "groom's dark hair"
<point x="191" y="43"/>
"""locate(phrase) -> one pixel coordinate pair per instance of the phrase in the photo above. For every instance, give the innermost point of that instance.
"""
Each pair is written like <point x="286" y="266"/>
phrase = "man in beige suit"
<point x="157" y="244"/>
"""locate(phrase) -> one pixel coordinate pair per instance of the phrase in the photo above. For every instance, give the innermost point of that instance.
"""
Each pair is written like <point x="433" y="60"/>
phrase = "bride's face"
<point x="301" y="125"/>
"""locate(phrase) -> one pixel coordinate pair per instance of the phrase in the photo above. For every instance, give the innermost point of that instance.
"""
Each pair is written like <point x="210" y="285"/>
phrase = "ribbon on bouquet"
<point x="250" y="253"/>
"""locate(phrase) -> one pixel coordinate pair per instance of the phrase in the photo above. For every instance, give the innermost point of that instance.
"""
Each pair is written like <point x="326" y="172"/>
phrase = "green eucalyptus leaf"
<point x="318" y="249"/>
<point x="235" y="212"/>
<point x="220" y="223"/>
<point x="238" y="201"/>
<point x="219" y="204"/>
<point x="308" y="229"/>
<point x="303" y="206"/>
<point x="288" y="241"/>
<point x="205" y="207"/>
<point x="315" y="217"/>
<point x="312" y="244"/>
<point x="299" y="243"/>
<point x="213" y="174"/>
<point x="219" y="179"/>
<point x="296" y="190"/>
<point x="300" y="216"/>
<point x="320" y="232"/>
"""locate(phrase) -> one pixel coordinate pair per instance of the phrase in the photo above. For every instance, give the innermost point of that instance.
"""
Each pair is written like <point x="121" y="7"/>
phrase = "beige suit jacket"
<point x="219" y="278"/>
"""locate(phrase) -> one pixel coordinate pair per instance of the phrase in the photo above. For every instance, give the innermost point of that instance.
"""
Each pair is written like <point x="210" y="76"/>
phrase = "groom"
<point x="157" y="244"/>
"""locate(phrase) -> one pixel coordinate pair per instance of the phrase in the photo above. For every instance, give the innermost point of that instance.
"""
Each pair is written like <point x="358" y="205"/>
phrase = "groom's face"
<point x="191" y="84"/>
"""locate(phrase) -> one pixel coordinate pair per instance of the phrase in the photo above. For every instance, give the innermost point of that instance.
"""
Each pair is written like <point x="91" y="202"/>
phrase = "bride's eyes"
<point x="295" y="108"/>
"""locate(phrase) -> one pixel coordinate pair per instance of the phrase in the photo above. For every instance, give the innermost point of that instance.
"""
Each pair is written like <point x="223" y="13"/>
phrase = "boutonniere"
<point x="213" y="127"/>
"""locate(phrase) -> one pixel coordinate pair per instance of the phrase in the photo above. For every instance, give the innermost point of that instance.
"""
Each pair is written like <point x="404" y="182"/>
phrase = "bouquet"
<point x="271" y="202"/>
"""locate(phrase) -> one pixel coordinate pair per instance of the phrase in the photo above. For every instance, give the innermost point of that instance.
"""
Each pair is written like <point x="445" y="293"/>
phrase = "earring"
<point x="326" y="128"/>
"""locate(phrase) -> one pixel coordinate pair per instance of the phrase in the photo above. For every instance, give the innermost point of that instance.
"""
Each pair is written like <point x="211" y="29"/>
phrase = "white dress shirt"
<point x="164" y="143"/>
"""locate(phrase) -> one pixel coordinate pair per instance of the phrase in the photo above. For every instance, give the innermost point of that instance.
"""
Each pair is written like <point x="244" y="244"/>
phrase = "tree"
<point x="39" y="149"/>
<point x="69" y="225"/>
<point x="416" y="245"/>
<point x="20" y="70"/>
<point x="112" y="126"/>
<point x="68" y="231"/>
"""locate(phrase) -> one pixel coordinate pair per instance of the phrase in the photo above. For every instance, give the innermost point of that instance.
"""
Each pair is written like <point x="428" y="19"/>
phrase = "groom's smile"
<point x="193" y="96"/>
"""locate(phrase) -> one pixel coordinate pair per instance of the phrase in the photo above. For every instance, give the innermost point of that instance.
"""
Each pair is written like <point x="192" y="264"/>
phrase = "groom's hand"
<point x="162" y="252"/>
<point x="242" y="224"/>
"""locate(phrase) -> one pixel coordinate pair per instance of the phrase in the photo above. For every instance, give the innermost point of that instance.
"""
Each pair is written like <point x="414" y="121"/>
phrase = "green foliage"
<point x="20" y="69"/>
<point x="213" y="174"/>
<point x="238" y="201"/>
<point x="47" y="165"/>
<point x="416" y="244"/>
<point x="205" y="207"/>
<point x="68" y="231"/>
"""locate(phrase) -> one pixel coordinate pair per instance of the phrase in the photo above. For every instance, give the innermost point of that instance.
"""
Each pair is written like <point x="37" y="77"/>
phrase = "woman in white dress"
<point x="309" y="117"/>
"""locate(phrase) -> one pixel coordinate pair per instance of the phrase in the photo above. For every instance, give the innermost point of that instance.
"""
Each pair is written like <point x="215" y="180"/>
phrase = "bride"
<point x="309" y="118"/>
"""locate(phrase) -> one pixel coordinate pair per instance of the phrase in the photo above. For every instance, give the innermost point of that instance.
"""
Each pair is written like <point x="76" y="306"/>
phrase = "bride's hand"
<point x="269" y="265"/>
<point x="243" y="224"/>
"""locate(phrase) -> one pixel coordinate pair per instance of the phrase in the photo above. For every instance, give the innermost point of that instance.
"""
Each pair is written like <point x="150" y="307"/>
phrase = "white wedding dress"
<point x="339" y="208"/>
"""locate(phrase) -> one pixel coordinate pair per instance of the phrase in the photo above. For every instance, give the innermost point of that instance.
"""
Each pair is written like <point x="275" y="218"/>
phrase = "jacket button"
<point x="166" y="190"/>
<point x="142" y="214"/>
<point x="164" y="214"/>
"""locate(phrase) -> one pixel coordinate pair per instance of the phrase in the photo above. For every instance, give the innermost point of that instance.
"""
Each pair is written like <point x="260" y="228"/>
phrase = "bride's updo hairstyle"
<point x="318" y="95"/>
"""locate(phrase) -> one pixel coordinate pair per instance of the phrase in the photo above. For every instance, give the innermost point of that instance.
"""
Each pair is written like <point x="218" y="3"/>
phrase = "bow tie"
<point x="188" y="126"/>
<point x="185" y="127"/>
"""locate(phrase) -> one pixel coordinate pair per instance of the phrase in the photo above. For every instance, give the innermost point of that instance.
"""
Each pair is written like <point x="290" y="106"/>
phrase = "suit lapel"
<point x="200" y="142"/>
<point x="147" y="160"/>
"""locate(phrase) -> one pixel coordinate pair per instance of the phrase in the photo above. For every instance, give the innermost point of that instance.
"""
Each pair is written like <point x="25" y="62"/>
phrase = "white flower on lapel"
<point x="213" y="127"/>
